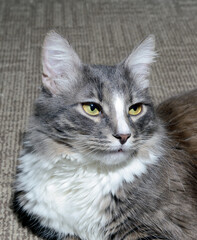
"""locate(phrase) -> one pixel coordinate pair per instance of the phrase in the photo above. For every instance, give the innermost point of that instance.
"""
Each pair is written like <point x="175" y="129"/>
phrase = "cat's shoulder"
<point x="179" y="115"/>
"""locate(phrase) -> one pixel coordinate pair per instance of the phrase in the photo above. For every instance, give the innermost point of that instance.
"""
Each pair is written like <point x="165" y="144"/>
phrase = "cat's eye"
<point x="135" y="109"/>
<point x="92" y="109"/>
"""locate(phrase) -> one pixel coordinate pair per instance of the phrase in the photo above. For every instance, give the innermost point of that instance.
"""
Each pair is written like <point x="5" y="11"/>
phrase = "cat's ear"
<point x="61" y="64"/>
<point x="139" y="61"/>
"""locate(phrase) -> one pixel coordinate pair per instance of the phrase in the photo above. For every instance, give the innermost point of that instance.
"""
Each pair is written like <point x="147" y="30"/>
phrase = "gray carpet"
<point x="101" y="31"/>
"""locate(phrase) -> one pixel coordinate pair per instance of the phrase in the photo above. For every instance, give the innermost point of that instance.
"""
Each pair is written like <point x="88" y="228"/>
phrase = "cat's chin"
<point x="113" y="157"/>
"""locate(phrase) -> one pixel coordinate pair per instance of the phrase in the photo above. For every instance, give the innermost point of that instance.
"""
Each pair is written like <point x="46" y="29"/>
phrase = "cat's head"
<point x="104" y="113"/>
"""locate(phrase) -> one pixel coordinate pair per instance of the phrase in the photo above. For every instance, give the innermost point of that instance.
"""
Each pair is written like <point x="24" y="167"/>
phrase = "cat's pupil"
<point x="92" y="107"/>
<point x="135" y="107"/>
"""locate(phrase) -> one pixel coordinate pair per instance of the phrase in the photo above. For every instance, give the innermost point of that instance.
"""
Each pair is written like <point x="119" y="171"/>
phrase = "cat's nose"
<point x="122" y="137"/>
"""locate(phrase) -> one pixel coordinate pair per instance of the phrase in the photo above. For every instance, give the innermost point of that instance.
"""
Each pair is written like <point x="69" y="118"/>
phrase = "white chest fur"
<point x="70" y="197"/>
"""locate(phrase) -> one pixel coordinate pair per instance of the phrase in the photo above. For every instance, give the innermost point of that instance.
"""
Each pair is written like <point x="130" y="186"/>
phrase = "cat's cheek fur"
<point x="58" y="190"/>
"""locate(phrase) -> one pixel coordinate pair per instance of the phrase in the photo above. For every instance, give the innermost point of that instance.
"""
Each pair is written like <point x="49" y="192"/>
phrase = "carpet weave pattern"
<point x="102" y="32"/>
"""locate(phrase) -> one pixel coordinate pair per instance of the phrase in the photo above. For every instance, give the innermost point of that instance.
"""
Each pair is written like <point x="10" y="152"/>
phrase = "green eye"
<point x="92" y="109"/>
<point x="135" y="109"/>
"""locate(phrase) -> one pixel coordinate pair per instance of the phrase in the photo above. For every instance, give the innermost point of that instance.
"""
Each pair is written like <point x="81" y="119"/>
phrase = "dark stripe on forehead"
<point x="100" y="91"/>
<point x="93" y="77"/>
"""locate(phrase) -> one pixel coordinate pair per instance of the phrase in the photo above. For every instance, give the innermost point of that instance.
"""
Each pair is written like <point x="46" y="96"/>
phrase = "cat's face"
<point x="103" y="113"/>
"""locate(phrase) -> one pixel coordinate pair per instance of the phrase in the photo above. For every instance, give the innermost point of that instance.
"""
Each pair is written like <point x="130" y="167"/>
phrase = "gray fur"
<point x="160" y="204"/>
<point x="58" y="117"/>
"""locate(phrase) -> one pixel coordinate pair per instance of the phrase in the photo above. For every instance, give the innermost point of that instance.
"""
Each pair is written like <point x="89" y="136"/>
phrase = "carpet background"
<point x="101" y="31"/>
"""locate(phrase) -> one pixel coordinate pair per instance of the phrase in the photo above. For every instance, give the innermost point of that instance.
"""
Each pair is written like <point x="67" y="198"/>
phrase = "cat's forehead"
<point x="106" y="81"/>
<point x="113" y="75"/>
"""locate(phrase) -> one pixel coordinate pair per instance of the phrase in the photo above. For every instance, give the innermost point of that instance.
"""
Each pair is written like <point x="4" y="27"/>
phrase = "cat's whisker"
<point x="98" y="161"/>
<point x="182" y="113"/>
<point x="190" y="138"/>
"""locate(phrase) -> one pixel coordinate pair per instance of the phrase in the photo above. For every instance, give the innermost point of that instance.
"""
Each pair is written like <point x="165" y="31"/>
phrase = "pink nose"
<point x="122" y="137"/>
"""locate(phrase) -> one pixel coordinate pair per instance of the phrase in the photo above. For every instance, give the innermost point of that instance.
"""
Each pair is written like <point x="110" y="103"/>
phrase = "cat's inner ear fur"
<point x="61" y="64"/>
<point x="139" y="61"/>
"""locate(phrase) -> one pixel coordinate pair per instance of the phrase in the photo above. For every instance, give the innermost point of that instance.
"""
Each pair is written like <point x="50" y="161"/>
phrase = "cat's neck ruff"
<point x="112" y="176"/>
<point x="62" y="190"/>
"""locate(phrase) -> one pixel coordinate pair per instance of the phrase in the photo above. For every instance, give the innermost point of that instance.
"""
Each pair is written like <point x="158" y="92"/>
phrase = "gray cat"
<point x="97" y="162"/>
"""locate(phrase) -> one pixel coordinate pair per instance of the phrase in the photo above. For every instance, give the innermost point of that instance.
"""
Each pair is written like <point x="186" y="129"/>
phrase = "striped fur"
<point x="77" y="180"/>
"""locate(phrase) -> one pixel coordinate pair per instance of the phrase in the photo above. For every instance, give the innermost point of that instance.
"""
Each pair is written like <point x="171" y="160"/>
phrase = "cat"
<point x="180" y="116"/>
<point x="98" y="161"/>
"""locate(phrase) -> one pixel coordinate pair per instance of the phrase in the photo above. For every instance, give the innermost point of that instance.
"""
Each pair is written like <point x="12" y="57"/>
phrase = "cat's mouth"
<point x="114" y="156"/>
<point x="120" y="150"/>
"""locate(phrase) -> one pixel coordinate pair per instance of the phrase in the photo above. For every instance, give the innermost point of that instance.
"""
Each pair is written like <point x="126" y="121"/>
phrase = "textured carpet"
<point x="101" y="31"/>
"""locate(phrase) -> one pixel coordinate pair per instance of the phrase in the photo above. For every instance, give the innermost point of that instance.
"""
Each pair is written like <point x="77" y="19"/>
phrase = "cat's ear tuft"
<point x="60" y="63"/>
<point x="139" y="61"/>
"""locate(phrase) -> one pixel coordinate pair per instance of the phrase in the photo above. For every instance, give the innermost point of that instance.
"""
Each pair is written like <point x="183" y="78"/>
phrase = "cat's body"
<point x="180" y="116"/>
<point x="91" y="169"/>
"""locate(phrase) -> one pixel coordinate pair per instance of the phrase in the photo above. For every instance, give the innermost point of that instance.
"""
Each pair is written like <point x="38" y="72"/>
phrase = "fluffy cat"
<point x="180" y="116"/>
<point x="98" y="162"/>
